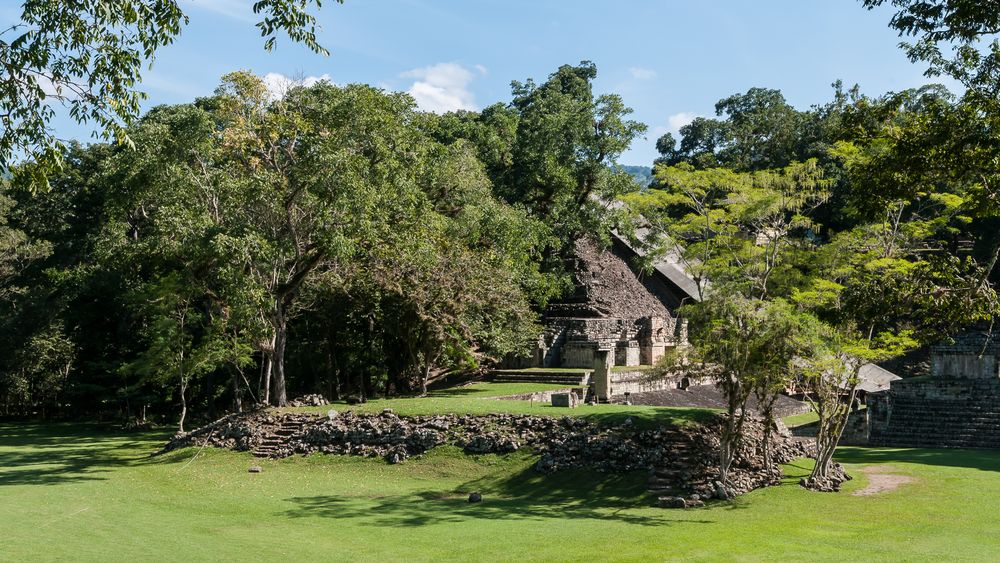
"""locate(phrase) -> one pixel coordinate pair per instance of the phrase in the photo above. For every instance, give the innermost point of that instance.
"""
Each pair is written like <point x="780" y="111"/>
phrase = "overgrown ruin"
<point x="681" y="459"/>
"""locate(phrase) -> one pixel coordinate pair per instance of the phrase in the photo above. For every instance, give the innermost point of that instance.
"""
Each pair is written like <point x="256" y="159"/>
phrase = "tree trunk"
<point x="280" y="337"/>
<point x="424" y="378"/>
<point x="268" y="364"/>
<point x="828" y="435"/>
<point x="279" y="323"/>
<point x="237" y="399"/>
<point x="766" y="404"/>
<point x="184" y="407"/>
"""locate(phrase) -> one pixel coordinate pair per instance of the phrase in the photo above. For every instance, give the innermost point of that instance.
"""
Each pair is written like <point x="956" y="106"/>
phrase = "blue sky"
<point x="670" y="60"/>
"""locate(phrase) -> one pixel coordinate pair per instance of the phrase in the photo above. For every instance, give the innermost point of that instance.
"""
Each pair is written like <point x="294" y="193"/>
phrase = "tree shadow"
<point x="984" y="460"/>
<point x="48" y="454"/>
<point x="652" y="418"/>
<point x="527" y="495"/>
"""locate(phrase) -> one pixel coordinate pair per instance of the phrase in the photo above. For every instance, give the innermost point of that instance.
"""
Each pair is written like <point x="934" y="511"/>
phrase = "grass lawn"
<point x="803" y="419"/>
<point x="81" y="493"/>
<point x="619" y="369"/>
<point x="480" y="398"/>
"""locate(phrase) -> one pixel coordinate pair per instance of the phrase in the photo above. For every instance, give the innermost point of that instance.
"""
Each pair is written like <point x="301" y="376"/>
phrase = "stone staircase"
<point x="939" y="423"/>
<point x="569" y="378"/>
<point x="936" y="412"/>
<point x="674" y="476"/>
<point x="275" y="443"/>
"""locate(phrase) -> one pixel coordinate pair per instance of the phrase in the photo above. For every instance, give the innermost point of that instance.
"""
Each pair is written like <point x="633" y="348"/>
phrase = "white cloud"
<point x="678" y="120"/>
<point x="443" y="87"/>
<point x="640" y="73"/>
<point x="278" y="84"/>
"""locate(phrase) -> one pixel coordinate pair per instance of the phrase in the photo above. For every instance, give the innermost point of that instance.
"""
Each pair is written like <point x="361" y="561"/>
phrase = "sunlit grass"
<point x="71" y="493"/>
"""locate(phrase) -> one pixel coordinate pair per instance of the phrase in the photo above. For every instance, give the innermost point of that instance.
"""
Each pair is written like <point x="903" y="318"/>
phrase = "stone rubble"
<point x="681" y="460"/>
<point x="314" y="400"/>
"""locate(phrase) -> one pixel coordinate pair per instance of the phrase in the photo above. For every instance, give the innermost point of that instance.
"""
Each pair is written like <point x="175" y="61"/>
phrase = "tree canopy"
<point x="88" y="56"/>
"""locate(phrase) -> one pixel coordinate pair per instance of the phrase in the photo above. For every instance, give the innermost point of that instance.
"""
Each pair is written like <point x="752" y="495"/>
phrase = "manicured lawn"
<point x="480" y="398"/>
<point x="543" y="370"/>
<point x="631" y="368"/>
<point x="803" y="419"/>
<point x="78" y="493"/>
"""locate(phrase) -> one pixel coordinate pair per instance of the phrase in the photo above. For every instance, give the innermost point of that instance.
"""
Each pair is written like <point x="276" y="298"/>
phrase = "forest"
<point x="249" y="247"/>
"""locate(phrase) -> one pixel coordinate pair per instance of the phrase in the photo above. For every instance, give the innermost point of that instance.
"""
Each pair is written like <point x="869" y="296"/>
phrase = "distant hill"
<point x="642" y="174"/>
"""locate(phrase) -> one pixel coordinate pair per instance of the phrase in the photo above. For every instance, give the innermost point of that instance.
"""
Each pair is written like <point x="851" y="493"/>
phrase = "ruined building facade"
<point x="616" y="309"/>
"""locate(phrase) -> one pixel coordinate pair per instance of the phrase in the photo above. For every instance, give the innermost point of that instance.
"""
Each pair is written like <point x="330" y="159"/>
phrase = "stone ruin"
<point x="617" y="315"/>
<point x="681" y="461"/>
<point x="956" y="406"/>
<point x="574" y="342"/>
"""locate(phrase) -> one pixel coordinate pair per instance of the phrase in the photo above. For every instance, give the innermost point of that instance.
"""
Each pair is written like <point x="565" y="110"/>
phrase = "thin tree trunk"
<point x="237" y="399"/>
<point x="766" y="405"/>
<point x="267" y="378"/>
<point x="280" y="394"/>
<point x="184" y="407"/>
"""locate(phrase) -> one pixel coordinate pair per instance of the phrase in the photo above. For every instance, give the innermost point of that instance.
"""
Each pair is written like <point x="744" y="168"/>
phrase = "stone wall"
<point x="971" y="355"/>
<point x="573" y="342"/>
<point x="945" y="412"/>
<point x="681" y="460"/>
<point x="638" y="381"/>
<point x="957" y="406"/>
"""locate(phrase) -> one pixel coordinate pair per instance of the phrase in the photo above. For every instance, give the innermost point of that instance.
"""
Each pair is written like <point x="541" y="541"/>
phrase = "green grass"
<point x="78" y="493"/>
<point x="803" y="419"/>
<point x="620" y="369"/>
<point x="543" y="370"/>
<point x="480" y="398"/>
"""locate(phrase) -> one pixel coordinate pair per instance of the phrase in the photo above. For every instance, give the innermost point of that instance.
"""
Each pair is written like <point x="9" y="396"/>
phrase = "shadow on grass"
<point x="526" y="495"/>
<point x="48" y="454"/>
<point x="985" y="460"/>
<point x="653" y="417"/>
<point x="462" y="392"/>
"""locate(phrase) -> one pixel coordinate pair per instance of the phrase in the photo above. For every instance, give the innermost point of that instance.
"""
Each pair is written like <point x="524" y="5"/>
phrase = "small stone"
<point x="331" y="414"/>
<point x="720" y="491"/>
<point x="671" y="502"/>
<point x="255" y="469"/>
<point x="475" y="497"/>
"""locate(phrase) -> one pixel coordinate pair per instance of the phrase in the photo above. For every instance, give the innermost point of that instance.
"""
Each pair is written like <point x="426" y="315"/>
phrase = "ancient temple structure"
<point x="615" y="308"/>
<point x="956" y="406"/>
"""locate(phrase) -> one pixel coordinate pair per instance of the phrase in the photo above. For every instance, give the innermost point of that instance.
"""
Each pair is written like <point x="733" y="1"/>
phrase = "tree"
<point x="554" y="150"/>
<point x="738" y="233"/>
<point x="763" y="130"/>
<point x="757" y="130"/>
<point x="729" y="227"/>
<point x="957" y="141"/>
<point x="746" y="345"/>
<point x="87" y="56"/>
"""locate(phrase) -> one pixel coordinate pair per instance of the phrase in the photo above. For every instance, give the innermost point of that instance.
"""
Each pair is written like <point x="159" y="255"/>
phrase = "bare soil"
<point x="709" y="396"/>
<point x="882" y="480"/>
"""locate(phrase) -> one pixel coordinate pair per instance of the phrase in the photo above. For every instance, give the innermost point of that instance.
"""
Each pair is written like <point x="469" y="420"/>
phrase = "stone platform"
<point x="936" y="412"/>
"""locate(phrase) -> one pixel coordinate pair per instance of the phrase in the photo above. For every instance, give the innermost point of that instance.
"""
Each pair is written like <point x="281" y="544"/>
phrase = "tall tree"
<point x="87" y="56"/>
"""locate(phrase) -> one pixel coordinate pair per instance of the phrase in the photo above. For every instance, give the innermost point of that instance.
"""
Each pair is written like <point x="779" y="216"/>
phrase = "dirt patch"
<point x="882" y="480"/>
<point x="709" y="396"/>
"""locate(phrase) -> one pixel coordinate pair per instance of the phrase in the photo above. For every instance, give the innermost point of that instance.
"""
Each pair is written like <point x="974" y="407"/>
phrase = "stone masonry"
<point x="957" y="406"/>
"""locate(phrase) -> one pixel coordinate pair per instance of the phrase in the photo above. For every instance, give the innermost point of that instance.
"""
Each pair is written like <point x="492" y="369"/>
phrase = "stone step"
<point x="662" y="491"/>
<point x="574" y="378"/>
